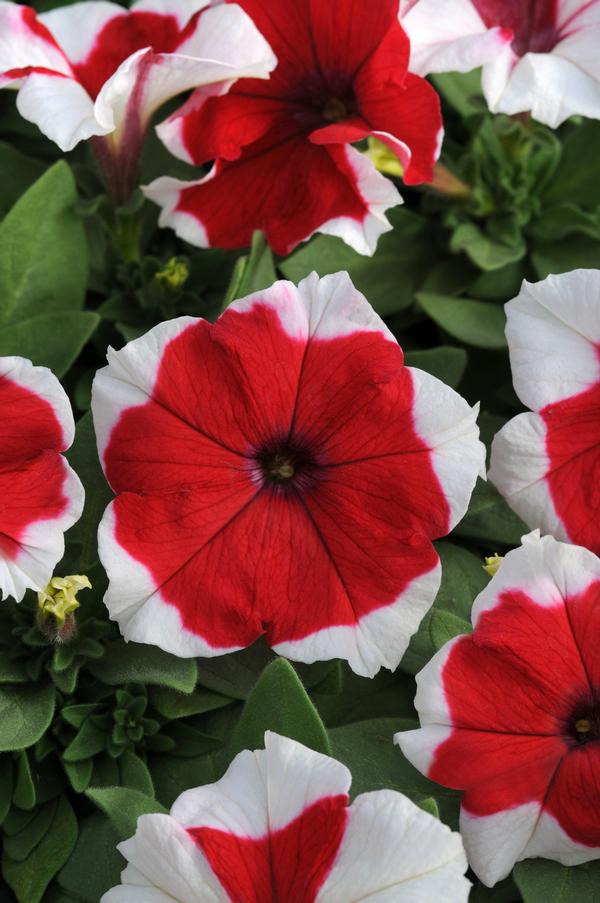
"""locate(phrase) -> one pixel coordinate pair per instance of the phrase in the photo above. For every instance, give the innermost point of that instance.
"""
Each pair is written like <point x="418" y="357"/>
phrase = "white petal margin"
<point x="494" y="843"/>
<point x="21" y="47"/>
<point x="42" y="543"/>
<point x="261" y="791"/>
<point x="135" y="602"/>
<point x="377" y="193"/>
<point x="553" y="332"/>
<point x="547" y="570"/>
<point x="394" y="852"/>
<point x="448" y="43"/>
<point x="447" y="424"/>
<point x="379" y="639"/>
<point x="129" y="378"/>
<point x="225" y="46"/>
<point x="551" y="88"/>
<point x="518" y="468"/>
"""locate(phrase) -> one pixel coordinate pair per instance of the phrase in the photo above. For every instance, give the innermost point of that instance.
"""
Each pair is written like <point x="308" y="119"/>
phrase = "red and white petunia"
<point x="278" y="827"/>
<point x="40" y="496"/>
<point x="511" y="713"/>
<point x="538" y="56"/>
<point x="95" y="69"/>
<point x="283" y="160"/>
<point x="547" y="463"/>
<point x="279" y="472"/>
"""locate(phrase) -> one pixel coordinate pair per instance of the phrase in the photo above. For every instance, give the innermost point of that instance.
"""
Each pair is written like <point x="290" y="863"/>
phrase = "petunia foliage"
<point x="299" y="469"/>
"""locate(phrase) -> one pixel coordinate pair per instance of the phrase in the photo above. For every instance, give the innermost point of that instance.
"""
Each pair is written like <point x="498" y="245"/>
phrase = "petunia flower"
<point x="511" y="713"/>
<point x="277" y="827"/>
<point x="279" y="472"/>
<point x="40" y="496"/>
<point x="547" y="463"/>
<point x="97" y="70"/>
<point x="538" y="56"/>
<point x="283" y="160"/>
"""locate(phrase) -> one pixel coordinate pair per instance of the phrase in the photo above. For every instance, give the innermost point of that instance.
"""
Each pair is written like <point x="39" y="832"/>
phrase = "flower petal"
<point x="382" y="823"/>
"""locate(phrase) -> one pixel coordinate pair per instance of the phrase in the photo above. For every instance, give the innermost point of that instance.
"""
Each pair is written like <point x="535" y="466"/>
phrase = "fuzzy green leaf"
<point x="279" y="703"/>
<point x="25" y="715"/>
<point x="51" y="340"/>
<point x="542" y="881"/>
<point x="136" y="663"/>
<point x="30" y="878"/>
<point x="123" y="806"/>
<point x="477" y="323"/>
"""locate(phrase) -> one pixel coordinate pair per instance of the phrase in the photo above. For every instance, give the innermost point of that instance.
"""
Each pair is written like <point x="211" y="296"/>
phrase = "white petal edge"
<point x="448" y="426"/>
<point x="137" y="605"/>
<point x="42" y="544"/>
<point x="553" y="332"/>
<point x="379" y="639"/>
<point x="394" y="852"/>
<point x="518" y="468"/>
<point x="263" y="790"/>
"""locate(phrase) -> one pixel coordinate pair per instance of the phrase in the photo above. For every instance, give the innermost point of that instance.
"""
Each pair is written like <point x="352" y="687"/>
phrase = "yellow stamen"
<point x="492" y="563"/>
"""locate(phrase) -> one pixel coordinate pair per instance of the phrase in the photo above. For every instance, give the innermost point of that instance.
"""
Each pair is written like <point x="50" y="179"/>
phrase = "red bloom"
<point x="511" y="714"/>
<point x="279" y="471"/>
<point x="283" y="160"/>
<point x="40" y="496"/>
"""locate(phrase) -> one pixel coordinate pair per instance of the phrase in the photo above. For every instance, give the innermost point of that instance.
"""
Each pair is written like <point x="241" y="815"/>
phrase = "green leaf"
<point x="368" y="750"/>
<point x="575" y="252"/>
<point x="473" y="322"/>
<point x="12" y="671"/>
<point x="24" y="792"/>
<point x="88" y="742"/>
<point x="487" y="253"/>
<point x="83" y="458"/>
<point x="18" y="173"/>
<point x="95" y="864"/>
<point x="189" y="742"/>
<point x="25" y="715"/>
<point x="171" y="704"/>
<point x="389" y="279"/>
<point x="445" y="362"/>
<point x="541" y="881"/>
<point x="430" y="805"/>
<point x="20" y="845"/>
<point x="462" y="90"/>
<point x="135" y="773"/>
<point x="43" y="250"/>
<point x="489" y="519"/>
<point x="235" y="675"/>
<point x="577" y="178"/>
<point x="279" y="703"/>
<point x="30" y="878"/>
<point x="123" y="806"/>
<point x="463" y="578"/>
<point x="79" y="774"/>
<point x="252" y="273"/>
<point x="51" y="340"/>
<point x="172" y="776"/>
<point x="6" y="785"/>
<point x="134" y="663"/>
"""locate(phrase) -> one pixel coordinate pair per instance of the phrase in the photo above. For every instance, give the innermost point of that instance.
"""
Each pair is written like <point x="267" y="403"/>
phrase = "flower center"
<point x="585" y="724"/>
<point x="335" y="110"/>
<point x="285" y="465"/>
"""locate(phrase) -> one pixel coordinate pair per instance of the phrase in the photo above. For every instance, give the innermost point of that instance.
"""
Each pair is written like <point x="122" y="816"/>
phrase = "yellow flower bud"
<point x="492" y="563"/>
<point x="59" y="599"/>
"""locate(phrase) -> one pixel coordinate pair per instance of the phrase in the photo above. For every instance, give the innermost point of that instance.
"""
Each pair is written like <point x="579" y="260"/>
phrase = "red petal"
<point x="574" y="796"/>
<point x="246" y="195"/>
<point x="30" y="494"/>
<point x="288" y="865"/>
<point x="28" y="424"/>
<point x="573" y="428"/>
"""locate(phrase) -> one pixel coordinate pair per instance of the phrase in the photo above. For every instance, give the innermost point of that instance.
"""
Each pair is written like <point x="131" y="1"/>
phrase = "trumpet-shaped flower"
<point x="511" y="713"/>
<point x="547" y="463"/>
<point x="279" y="472"/>
<point x="283" y="160"/>
<point x="97" y="70"/>
<point x="40" y="496"/>
<point x="278" y="827"/>
<point x="538" y="56"/>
